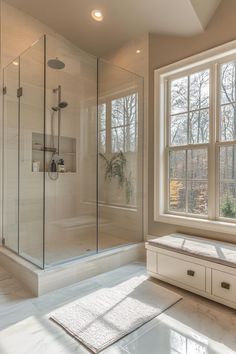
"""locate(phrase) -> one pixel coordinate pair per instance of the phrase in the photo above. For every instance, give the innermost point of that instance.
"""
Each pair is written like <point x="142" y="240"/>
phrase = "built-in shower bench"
<point x="203" y="266"/>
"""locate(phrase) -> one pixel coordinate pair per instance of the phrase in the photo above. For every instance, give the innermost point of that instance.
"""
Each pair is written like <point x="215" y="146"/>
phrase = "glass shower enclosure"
<point x="72" y="154"/>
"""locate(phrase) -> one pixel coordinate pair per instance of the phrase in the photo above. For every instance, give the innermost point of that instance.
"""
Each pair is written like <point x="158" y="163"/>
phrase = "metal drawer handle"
<point x="190" y="273"/>
<point x="225" y="285"/>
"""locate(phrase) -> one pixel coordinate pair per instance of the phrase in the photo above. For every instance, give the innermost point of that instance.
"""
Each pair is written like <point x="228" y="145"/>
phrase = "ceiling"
<point x="123" y="19"/>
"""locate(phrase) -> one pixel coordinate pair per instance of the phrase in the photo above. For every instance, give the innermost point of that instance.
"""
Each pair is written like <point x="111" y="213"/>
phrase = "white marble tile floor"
<point x="192" y="326"/>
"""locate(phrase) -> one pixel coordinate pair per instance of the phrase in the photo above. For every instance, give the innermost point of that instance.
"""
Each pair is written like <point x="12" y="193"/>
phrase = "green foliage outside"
<point x="228" y="208"/>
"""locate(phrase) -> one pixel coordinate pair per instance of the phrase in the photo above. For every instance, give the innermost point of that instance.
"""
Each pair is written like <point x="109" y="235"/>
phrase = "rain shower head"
<point x="56" y="64"/>
<point x="61" y="105"/>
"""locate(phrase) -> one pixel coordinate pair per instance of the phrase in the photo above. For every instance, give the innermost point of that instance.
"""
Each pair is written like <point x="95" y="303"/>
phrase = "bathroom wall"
<point x="18" y="32"/>
<point x="164" y="50"/>
<point x="74" y="193"/>
<point x="71" y="199"/>
<point x="161" y="50"/>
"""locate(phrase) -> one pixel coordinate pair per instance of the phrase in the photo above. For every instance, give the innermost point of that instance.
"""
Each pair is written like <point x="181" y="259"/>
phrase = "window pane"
<point x="177" y="200"/>
<point x="197" y="164"/>
<point x="199" y="126"/>
<point x="124" y="110"/>
<point x="228" y="122"/>
<point x="228" y="200"/>
<point x="197" y="198"/>
<point x="102" y="141"/>
<point x="228" y="88"/>
<point x="102" y="116"/>
<point x="179" y="95"/>
<point x="117" y="112"/>
<point x="177" y="163"/>
<point x="130" y="137"/>
<point x="117" y="139"/>
<point x="199" y="90"/>
<point x="130" y="108"/>
<point x="178" y="129"/>
<point x="227" y="162"/>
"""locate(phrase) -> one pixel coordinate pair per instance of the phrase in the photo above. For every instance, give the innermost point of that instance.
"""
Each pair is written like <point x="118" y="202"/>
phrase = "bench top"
<point x="207" y="249"/>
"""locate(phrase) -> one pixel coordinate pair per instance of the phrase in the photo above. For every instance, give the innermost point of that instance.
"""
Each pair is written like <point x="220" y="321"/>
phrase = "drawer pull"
<point x="190" y="273"/>
<point x="225" y="285"/>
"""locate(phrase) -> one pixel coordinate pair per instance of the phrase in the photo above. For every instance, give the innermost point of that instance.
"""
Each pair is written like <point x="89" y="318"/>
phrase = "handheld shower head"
<point x="61" y="105"/>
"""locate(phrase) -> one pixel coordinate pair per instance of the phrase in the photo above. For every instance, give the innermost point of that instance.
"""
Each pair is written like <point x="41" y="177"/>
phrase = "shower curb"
<point x="42" y="281"/>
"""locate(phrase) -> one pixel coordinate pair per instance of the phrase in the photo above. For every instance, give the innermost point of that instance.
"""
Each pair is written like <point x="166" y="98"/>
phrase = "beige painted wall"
<point x="72" y="193"/>
<point x="156" y="51"/>
<point x="164" y="50"/>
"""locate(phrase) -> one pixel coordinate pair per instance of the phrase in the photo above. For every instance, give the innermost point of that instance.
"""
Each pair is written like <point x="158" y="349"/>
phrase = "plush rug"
<point x="101" y="318"/>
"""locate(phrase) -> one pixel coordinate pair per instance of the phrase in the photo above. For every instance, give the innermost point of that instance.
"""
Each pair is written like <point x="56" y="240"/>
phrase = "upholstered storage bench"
<point x="203" y="266"/>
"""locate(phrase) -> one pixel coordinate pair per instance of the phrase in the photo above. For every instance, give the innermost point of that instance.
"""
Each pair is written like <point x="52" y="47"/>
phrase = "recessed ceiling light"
<point x="15" y="63"/>
<point x="138" y="51"/>
<point x="97" y="15"/>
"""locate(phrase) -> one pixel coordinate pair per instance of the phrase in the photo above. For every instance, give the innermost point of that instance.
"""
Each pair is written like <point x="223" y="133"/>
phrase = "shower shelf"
<point x="61" y="153"/>
<point x="67" y="147"/>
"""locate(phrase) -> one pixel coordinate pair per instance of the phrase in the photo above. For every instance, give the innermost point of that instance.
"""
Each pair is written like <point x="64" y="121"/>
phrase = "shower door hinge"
<point x="4" y="90"/>
<point x="19" y="92"/>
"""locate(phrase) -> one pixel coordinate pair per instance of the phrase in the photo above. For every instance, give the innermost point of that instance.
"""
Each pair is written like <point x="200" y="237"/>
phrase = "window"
<point x="227" y="146"/>
<point x="118" y="149"/>
<point x="102" y="127"/>
<point x="118" y="120"/>
<point x="189" y="126"/>
<point x="195" y="155"/>
<point x="123" y="123"/>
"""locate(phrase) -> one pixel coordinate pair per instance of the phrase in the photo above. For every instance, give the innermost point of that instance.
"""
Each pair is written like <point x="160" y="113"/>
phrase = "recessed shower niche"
<point x="67" y="152"/>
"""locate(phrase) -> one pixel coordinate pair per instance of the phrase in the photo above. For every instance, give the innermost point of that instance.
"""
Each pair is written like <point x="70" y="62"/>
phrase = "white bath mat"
<point x="101" y="318"/>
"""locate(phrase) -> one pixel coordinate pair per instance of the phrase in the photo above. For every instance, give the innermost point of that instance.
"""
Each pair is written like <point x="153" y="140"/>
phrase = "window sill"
<point x="205" y="224"/>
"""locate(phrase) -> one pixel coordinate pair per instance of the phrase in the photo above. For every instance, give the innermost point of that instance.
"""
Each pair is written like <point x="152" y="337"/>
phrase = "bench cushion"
<point x="207" y="249"/>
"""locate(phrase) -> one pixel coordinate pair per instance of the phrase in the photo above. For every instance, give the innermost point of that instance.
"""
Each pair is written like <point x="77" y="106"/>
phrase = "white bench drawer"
<point x="181" y="271"/>
<point x="151" y="261"/>
<point x="224" y="285"/>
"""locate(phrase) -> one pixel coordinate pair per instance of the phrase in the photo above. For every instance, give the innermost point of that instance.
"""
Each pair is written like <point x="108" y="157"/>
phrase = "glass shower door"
<point x="71" y="197"/>
<point x="10" y="155"/>
<point x="31" y="179"/>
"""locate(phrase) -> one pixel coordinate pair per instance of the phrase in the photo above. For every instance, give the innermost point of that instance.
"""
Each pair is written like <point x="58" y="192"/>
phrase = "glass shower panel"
<point x="120" y="105"/>
<point x="31" y="154"/>
<point x="10" y="156"/>
<point x="73" y="133"/>
<point x="70" y="198"/>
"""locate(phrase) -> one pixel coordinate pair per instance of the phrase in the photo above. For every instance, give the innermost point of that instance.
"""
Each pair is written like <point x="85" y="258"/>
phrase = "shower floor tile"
<point x="67" y="249"/>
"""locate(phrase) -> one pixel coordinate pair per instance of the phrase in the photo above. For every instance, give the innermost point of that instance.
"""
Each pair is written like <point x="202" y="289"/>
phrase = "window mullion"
<point x="108" y="126"/>
<point x="186" y="152"/>
<point x="212" y="151"/>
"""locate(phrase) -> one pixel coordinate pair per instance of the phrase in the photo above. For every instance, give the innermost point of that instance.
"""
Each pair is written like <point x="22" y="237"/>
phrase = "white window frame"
<point x="208" y="59"/>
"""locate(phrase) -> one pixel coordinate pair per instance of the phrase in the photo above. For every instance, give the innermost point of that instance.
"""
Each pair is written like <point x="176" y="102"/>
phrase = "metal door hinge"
<point x="19" y="92"/>
<point x="4" y="90"/>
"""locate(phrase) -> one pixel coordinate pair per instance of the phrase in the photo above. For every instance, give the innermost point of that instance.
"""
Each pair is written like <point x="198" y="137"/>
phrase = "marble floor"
<point x="192" y="326"/>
